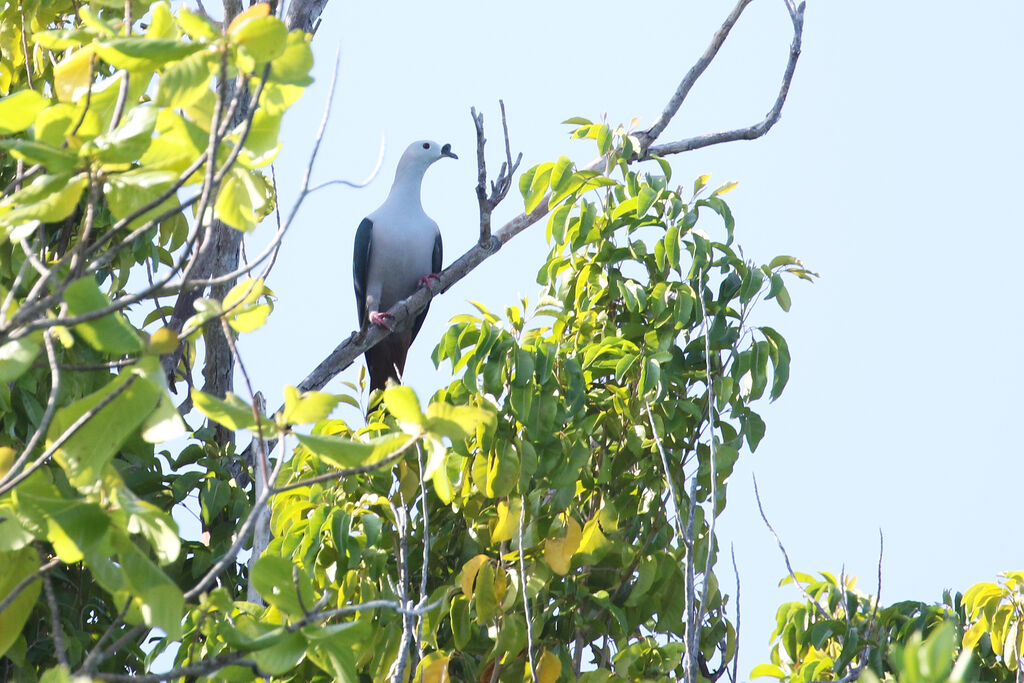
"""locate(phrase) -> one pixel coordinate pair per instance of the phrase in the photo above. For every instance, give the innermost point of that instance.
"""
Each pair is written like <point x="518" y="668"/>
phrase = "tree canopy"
<point x="548" y="515"/>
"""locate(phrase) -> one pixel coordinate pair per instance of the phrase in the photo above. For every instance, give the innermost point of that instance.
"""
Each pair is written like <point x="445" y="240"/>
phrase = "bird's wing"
<point x="435" y="262"/>
<point x="435" y="267"/>
<point x="361" y="265"/>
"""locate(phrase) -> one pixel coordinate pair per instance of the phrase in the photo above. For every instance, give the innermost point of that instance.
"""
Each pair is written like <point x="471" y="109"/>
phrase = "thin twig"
<point x="10" y="482"/>
<point x="683" y="89"/>
<point x="736" y="652"/>
<point x="48" y="412"/>
<point x="197" y="669"/>
<point x="789" y="568"/>
<point x="92" y="658"/>
<point x="304" y="191"/>
<point x="425" y="512"/>
<point x="397" y="671"/>
<point x="758" y="129"/>
<point x="340" y="474"/>
<point x="526" y="597"/>
<point x="26" y="582"/>
<point x="51" y="601"/>
<point x="711" y="446"/>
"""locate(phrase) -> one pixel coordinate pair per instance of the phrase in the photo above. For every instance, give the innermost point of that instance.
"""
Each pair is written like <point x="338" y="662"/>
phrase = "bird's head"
<point x="423" y="153"/>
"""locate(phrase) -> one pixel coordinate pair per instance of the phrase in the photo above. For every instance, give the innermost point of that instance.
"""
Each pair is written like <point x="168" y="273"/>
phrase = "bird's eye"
<point x="426" y="145"/>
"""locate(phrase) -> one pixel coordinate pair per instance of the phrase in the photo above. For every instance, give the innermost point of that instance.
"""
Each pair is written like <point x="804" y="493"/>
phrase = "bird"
<point x="397" y="250"/>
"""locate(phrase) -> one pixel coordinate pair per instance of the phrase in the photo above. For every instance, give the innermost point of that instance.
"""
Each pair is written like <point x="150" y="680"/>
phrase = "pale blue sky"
<point x="894" y="173"/>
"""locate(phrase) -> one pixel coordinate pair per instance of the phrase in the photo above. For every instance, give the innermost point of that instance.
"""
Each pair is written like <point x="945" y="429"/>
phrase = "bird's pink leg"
<point x="379" y="318"/>
<point x="425" y="280"/>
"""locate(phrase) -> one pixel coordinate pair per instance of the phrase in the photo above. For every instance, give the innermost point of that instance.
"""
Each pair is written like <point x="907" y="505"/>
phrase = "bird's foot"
<point x="425" y="280"/>
<point x="381" y="318"/>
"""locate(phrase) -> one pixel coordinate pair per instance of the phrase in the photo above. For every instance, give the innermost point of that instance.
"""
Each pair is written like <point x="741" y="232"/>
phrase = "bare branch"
<point x="92" y="659"/>
<point x="499" y="187"/>
<point x="789" y="568"/>
<point x="363" y="183"/>
<point x="425" y="512"/>
<point x="524" y="582"/>
<point x="734" y="677"/>
<point x="751" y="132"/>
<point x="51" y="601"/>
<point x="683" y="89"/>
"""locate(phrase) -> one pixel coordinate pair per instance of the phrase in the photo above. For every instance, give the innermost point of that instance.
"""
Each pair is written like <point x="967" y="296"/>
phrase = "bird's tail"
<point x="386" y="360"/>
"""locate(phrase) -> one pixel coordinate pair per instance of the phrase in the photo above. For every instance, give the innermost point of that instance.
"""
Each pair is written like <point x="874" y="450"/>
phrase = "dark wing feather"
<point x="435" y="267"/>
<point x="361" y="266"/>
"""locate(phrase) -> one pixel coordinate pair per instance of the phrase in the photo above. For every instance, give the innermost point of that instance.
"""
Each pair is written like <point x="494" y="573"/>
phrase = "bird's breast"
<point x="400" y="257"/>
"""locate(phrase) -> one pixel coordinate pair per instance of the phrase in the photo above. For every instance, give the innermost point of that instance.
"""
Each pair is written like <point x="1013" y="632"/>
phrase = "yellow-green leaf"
<point x="558" y="552"/>
<point x="17" y="565"/>
<point x="507" y="525"/>
<point x="18" y="111"/>
<point x="232" y="412"/>
<point x="348" y="453"/>
<point x="72" y="77"/>
<point x="112" y="332"/>
<point x="549" y="667"/>
<point x="306" y="408"/>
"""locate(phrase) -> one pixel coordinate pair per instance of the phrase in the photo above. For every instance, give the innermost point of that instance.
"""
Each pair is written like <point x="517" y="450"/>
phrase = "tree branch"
<point x="695" y="72"/>
<point x="750" y="132"/>
<point x="789" y="568"/>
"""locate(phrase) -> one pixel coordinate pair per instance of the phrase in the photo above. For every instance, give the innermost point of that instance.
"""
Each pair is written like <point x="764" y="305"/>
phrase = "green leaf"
<point x="753" y="429"/>
<point x="282" y="656"/>
<point x="18" y="111"/>
<point x="182" y="83"/>
<point x="130" y="191"/>
<point x="196" y="26"/>
<point x="86" y="452"/>
<point x="273" y="578"/>
<point x="16" y="357"/>
<point x="111" y="333"/>
<point x="232" y="412"/>
<point x="264" y="38"/>
<point x="347" y="453"/>
<point x="502" y="471"/>
<point x="767" y="670"/>
<point x="143" y="54"/>
<point x="645" y="200"/>
<point x="456" y="422"/>
<point x="61" y="39"/>
<point x="242" y="199"/>
<point x="74" y="528"/>
<point x="295" y="63"/>
<point x="557" y="223"/>
<point x="160" y="601"/>
<point x="72" y="77"/>
<point x="402" y="403"/>
<point x="534" y="185"/>
<point x="306" y="408"/>
<point x="17" y="565"/>
<point x="55" y="159"/>
<point x="131" y="139"/>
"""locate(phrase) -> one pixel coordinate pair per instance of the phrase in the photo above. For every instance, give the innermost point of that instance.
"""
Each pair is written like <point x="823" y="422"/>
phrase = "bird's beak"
<point x="446" y="151"/>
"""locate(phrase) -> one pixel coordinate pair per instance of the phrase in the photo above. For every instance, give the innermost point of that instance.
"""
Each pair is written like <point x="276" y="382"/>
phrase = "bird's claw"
<point x="381" y="318"/>
<point x="425" y="280"/>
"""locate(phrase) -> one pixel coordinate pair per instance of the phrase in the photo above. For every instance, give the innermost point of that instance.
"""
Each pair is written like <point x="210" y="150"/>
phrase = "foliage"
<point x="837" y="632"/>
<point x="554" y="504"/>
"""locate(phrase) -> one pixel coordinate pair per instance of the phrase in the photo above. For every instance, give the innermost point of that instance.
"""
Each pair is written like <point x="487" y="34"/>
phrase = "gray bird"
<point x="397" y="250"/>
